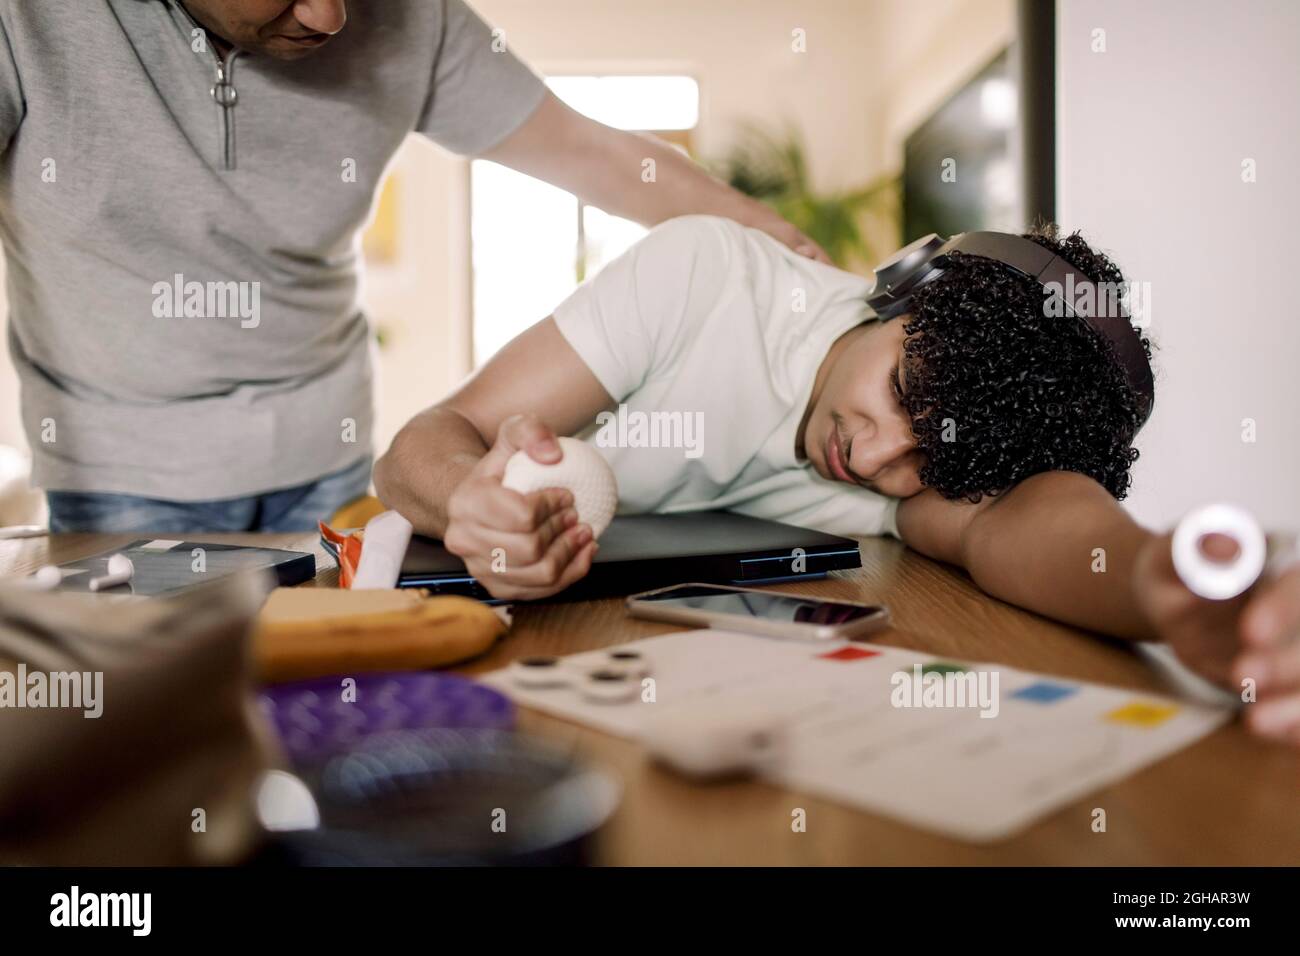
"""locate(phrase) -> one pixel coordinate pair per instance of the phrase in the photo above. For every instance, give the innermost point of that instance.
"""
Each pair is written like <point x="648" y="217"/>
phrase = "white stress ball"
<point x="582" y="471"/>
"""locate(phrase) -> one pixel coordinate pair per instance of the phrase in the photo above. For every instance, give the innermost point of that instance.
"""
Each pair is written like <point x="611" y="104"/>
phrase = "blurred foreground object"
<point x="421" y="769"/>
<point x="164" y="774"/>
<point x="454" y="796"/>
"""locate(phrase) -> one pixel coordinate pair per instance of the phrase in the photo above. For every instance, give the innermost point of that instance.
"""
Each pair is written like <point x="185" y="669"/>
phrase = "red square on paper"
<point x="848" y="654"/>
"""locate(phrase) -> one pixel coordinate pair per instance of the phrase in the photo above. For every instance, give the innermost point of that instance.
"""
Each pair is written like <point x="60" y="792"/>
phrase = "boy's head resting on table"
<point x="976" y="388"/>
<point x="812" y="409"/>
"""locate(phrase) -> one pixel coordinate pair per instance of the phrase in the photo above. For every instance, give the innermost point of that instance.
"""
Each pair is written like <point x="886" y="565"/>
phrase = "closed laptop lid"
<point x="632" y="539"/>
<point x="642" y="552"/>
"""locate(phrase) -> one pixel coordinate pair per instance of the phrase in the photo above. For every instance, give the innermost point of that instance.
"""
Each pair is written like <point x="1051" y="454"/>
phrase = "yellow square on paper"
<point x="1142" y="714"/>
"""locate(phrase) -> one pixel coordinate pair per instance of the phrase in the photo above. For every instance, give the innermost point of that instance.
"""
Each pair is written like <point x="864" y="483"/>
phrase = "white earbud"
<point x="120" y="571"/>
<point x="1219" y="580"/>
<point x="43" y="579"/>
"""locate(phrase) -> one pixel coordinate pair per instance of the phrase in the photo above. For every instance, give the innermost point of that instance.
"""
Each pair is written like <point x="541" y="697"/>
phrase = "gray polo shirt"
<point x="182" y="274"/>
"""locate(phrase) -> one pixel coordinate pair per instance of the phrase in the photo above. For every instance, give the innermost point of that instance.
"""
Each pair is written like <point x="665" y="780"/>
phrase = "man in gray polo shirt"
<point x="182" y="185"/>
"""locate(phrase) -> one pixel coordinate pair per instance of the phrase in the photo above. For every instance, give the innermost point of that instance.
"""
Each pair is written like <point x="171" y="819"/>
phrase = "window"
<point x="532" y="244"/>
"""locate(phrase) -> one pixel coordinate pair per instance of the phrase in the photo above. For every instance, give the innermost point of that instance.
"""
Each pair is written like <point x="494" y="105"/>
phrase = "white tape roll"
<point x="1219" y="580"/>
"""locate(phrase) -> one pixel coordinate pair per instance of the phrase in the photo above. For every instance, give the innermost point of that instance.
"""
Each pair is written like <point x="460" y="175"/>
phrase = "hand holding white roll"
<point x="1223" y="580"/>
<point x="581" y="470"/>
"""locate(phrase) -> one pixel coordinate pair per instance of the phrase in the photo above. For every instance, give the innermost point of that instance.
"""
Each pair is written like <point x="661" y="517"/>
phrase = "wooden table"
<point x="1227" y="800"/>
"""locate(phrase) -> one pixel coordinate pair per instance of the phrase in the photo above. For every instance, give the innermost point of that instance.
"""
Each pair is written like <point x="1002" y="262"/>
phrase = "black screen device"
<point x="766" y="613"/>
<point x="170" y="566"/>
<point x="640" y="552"/>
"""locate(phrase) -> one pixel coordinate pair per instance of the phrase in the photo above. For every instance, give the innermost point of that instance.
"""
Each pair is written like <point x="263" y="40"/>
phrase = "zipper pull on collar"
<point x="224" y="91"/>
<point x="226" y="96"/>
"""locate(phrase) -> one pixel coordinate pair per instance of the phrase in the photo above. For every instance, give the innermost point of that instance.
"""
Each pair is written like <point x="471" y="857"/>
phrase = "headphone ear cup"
<point x="887" y="307"/>
<point x="897" y="299"/>
<point x="899" y="275"/>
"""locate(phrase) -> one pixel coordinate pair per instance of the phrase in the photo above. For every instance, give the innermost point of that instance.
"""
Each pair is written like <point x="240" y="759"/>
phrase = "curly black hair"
<point x="999" y="390"/>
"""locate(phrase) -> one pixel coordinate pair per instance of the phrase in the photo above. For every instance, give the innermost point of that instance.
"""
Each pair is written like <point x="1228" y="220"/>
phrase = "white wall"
<point x="1151" y="137"/>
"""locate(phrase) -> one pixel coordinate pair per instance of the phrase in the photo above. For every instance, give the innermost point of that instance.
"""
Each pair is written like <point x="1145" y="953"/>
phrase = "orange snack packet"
<point x="348" y="547"/>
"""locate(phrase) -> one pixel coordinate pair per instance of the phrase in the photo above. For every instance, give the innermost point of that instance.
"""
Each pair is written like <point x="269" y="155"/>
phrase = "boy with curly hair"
<point x="979" y="427"/>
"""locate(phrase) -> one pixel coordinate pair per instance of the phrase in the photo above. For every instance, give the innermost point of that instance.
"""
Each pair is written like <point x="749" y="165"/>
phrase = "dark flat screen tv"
<point x="961" y="165"/>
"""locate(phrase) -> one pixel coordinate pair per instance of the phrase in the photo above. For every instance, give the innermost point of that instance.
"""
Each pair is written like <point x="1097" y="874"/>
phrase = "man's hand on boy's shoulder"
<point x="519" y="547"/>
<point x="1250" y="644"/>
<point x="789" y="235"/>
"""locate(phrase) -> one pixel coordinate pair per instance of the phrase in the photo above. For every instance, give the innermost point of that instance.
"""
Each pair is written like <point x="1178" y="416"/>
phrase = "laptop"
<point x="640" y="552"/>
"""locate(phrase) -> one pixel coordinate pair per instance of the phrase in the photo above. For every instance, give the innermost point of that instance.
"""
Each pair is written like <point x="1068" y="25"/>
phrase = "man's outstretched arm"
<point x="604" y="166"/>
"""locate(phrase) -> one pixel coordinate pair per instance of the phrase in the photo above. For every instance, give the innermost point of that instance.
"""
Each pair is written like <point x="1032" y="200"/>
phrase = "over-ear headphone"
<point x="918" y="264"/>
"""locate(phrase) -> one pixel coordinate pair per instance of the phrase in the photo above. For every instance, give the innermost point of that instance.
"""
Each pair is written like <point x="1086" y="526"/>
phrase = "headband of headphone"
<point x="920" y="263"/>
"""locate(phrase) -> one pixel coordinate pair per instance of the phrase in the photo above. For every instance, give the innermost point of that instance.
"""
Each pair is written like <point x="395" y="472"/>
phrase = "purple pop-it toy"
<point x="314" y="720"/>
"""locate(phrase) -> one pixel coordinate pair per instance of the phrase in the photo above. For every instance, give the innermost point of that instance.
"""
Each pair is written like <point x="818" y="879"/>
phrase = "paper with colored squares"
<point x="974" y="751"/>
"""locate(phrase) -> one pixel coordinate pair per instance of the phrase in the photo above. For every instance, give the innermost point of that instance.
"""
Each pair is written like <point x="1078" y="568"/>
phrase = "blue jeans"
<point x="285" y="510"/>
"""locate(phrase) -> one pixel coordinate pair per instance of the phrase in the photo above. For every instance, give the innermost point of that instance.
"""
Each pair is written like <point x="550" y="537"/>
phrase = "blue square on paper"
<point x="1045" y="692"/>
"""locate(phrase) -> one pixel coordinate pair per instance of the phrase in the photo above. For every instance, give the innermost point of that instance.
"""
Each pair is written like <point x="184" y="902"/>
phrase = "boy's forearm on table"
<point x="430" y="456"/>
<point x="1063" y="547"/>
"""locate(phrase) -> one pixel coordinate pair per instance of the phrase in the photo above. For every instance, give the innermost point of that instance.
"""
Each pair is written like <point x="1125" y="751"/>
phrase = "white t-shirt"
<point x="708" y="335"/>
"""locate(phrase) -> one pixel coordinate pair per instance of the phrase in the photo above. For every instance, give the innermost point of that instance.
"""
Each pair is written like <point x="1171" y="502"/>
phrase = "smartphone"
<point x="759" y="612"/>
